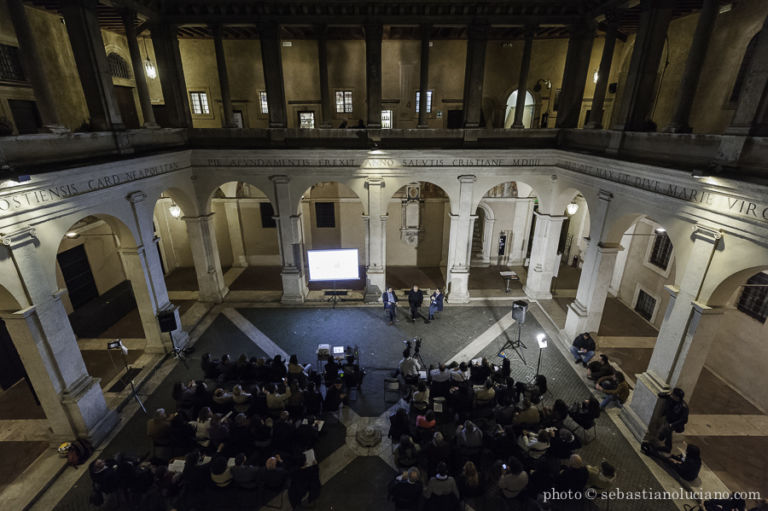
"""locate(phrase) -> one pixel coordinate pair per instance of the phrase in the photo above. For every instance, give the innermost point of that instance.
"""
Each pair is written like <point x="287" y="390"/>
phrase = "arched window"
<point x="754" y="299"/>
<point x="509" y="118"/>
<point x="118" y="67"/>
<point x="745" y="63"/>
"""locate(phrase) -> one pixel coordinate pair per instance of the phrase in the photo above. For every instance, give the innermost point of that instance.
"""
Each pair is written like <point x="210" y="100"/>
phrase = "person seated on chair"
<point x="602" y="477"/>
<point x="616" y="389"/>
<point x="435" y="451"/>
<point x="409" y="368"/>
<point x="159" y="428"/>
<point x="480" y="372"/>
<point x="584" y="412"/>
<point x="527" y="416"/>
<point x="459" y="373"/>
<point x="426" y="421"/>
<point x="688" y="465"/>
<point x="440" y="374"/>
<point x="295" y="370"/>
<point x="274" y="474"/>
<point x="407" y="452"/>
<point x="334" y="397"/>
<point x="241" y="398"/>
<point x="573" y="476"/>
<point x="277" y="395"/>
<point x="353" y="375"/>
<point x="244" y="474"/>
<point x="599" y="368"/>
<point x="210" y="365"/>
<point x="535" y="444"/>
<point x="556" y="415"/>
<point x="421" y="396"/>
<point x="470" y="483"/>
<point x="220" y="473"/>
<point x="406" y="489"/>
<point x="469" y="436"/>
<point x="441" y="483"/>
<point x="487" y="394"/>
<point x="583" y="348"/>
<point x="513" y="478"/>
<point x="563" y="443"/>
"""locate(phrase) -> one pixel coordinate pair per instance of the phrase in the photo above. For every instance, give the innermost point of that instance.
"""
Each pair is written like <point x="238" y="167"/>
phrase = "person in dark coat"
<point x="675" y="416"/>
<point x="599" y="368"/>
<point x="389" y="298"/>
<point x="406" y="489"/>
<point x="688" y="466"/>
<point x="415" y="299"/>
<point x="583" y="349"/>
<point x="435" y="303"/>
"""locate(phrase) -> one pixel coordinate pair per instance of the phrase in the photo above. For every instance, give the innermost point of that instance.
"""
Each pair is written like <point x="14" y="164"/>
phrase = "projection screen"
<point x="338" y="264"/>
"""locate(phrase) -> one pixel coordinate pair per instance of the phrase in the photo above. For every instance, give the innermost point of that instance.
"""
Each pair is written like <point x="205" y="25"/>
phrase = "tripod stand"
<point x="334" y="298"/>
<point x="515" y="345"/>
<point x="178" y="353"/>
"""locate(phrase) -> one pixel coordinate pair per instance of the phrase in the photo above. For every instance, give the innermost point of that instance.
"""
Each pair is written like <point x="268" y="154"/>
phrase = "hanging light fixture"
<point x="174" y="210"/>
<point x="149" y="67"/>
<point x="596" y="76"/>
<point x="572" y="208"/>
<point x="660" y="230"/>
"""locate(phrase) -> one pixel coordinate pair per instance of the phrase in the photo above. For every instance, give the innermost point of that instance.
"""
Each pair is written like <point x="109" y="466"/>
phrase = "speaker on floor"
<point x="519" y="309"/>
<point x="167" y="320"/>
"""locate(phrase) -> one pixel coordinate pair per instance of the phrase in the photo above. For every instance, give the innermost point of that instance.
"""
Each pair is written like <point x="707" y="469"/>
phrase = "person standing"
<point x="435" y="303"/>
<point x="675" y="416"/>
<point x="415" y="299"/>
<point x="390" y="304"/>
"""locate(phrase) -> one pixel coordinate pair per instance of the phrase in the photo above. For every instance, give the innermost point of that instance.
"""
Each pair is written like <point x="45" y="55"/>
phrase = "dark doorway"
<point x="11" y="368"/>
<point x="455" y="119"/>
<point x="127" y="106"/>
<point x="531" y="233"/>
<point x="25" y="115"/>
<point x="77" y="276"/>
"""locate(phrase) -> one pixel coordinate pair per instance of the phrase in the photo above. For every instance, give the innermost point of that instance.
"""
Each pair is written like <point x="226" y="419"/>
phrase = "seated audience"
<point x="513" y="479"/>
<point x="407" y="452"/>
<point x="220" y="473"/>
<point x="441" y="483"/>
<point x="615" y="388"/>
<point x="469" y="482"/>
<point x="573" y="476"/>
<point x="563" y="443"/>
<point x="407" y="489"/>
<point x="527" y="416"/>
<point x="599" y="368"/>
<point x="583" y="348"/>
<point x="601" y="477"/>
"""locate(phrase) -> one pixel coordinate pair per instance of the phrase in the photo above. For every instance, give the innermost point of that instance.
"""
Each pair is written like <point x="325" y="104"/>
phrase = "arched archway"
<point x="509" y="116"/>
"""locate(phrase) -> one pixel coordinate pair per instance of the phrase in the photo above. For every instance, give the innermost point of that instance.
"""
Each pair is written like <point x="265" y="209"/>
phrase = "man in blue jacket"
<point x="435" y="303"/>
<point x="390" y="304"/>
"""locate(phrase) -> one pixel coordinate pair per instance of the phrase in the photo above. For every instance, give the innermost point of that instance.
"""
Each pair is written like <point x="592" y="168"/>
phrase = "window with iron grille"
<point x="263" y="102"/>
<point x="754" y="299"/>
<point x="10" y="64"/>
<point x="324" y="214"/>
<point x="645" y="304"/>
<point x="267" y="215"/>
<point x="118" y="67"/>
<point x="343" y="101"/>
<point x="662" y="250"/>
<point x="429" y="101"/>
<point x="199" y="102"/>
<point x="386" y="119"/>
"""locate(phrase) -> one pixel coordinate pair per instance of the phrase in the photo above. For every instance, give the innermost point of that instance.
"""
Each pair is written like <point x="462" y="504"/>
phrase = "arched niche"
<point x="528" y="113"/>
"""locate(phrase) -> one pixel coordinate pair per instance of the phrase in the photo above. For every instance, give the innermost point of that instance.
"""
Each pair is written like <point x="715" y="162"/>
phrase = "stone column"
<point x="373" y="33"/>
<point x="291" y="242"/>
<point x="326" y="101"/>
<point x="487" y="239"/>
<point x="232" y="210"/>
<point x="91" y="59"/>
<point x="669" y="365"/>
<point x="426" y="31"/>
<point x="517" y="243"/>
<point x="73" y="401"/>
<point x="205" y="255"/>
<point x="637" y="98"/>
<point x="541" y="267"/>
<point x="575" y="75"/>
<point x="522" y="81"/>
<point x="129" y="18"/>
<point x="33" y="68"/>
<point x="751" y="115"/>
<point x="171" y="73"/>
<point x="221" y="66"/>
<point x="604" y="73"/>
<point x="376" y="280"/>
<point x="586" y="311"/>
<point x="473" y="74"/>
<point x="621" y="261"/>
<point x="693" y="65"/>
<point x="460" y="243"/>
<point x="272" y="60"/>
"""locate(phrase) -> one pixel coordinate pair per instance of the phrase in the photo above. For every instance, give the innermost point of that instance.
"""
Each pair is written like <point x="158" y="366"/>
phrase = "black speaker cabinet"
<point x="519" y="308"/>
<point x="167" y="321"/>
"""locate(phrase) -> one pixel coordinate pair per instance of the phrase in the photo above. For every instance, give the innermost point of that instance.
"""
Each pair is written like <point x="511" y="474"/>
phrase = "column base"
<point x="87" y="410"/>
<point x="151" y="126"/>
<point x="643" y="412"/>
<point x="55" y="128"/>
<point x="678" y="128"/>
<point x="215" y="296"/>
<point x="593" y="126"/>
<point x="536" y="294"/>
<point x="517" y="127"/>
<point x="579" y="320"/>
<point x="375" y="284"/>
<point x="458" y="291"/>
<point x="294" y="287"/>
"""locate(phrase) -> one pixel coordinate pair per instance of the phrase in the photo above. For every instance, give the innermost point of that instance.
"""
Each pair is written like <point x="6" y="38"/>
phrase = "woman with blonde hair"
<point x="470" y="485"/>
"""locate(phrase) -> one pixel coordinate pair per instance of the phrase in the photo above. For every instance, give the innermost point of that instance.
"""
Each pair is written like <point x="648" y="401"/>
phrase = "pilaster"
<point x="291" y="242"/>
<point x="376" y="239"/>
<point x="205" y="255"/>
<point x="460" y="243"/>
<point x="541" y="267"/>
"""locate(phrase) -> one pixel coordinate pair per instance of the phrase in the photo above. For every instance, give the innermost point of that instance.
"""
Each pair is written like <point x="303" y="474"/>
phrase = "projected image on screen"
<point x="333" y="264"/>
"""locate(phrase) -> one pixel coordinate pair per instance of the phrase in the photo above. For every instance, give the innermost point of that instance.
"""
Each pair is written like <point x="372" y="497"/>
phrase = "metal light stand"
<point x="124" y="353"/>
<point x="541" y="338"/>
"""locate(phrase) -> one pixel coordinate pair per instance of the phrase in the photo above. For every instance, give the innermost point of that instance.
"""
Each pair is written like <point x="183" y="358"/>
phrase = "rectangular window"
<point x="307" y="119"/>
<point x="386" y="119"/>
<point x="662" y="250"/>
<point x="429" y="101"/>
<point x="754" y="299"/>
<point x="343" y="101"/>
<point x="199" y="103"/>
<point x="325" y="215"/>
<point x="10" y="65"/>
<point x="263" y="102"/>
<point x="267" y="215"/>
<point x="645" y="305"/>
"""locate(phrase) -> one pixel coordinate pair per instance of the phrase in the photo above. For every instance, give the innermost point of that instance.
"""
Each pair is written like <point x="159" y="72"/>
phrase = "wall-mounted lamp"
<point x="596" y="76"/>
<point x="174" y="210"/>
<point x="572" y="208"/>
<point x="660" y="230"/>
<point x="542" y="82"/>
<point x="72" y="235"/>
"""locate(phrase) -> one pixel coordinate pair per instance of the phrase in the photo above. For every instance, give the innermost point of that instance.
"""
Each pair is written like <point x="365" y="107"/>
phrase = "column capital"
<point x="136" y="197"/>
<point x="217" y="29"/>
<point x="19" y="238"/>
<point x="605" y="195"/>
<point x="551" y="218"/>
<point x="478" y="30"/>
<point x="198" y="219"/>
<point x="425" y="30"/>
<point x="467" y="178"/>
<point x="706" y="233"/>
<point x="374" y="181"/>
<point x="672" y="290"/>
<point x="608" y="248"/>
<point x="529" y="31"/>
<point x="138" y="250"/>
<point x="583" y="29"/>
<point x="280" y="179"/>
<point x="704" y="309"/>
<point x="373" y="30"/>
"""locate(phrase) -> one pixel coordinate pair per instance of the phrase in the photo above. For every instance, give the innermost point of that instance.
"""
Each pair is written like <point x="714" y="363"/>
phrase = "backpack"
<point x="80" y="450"/>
